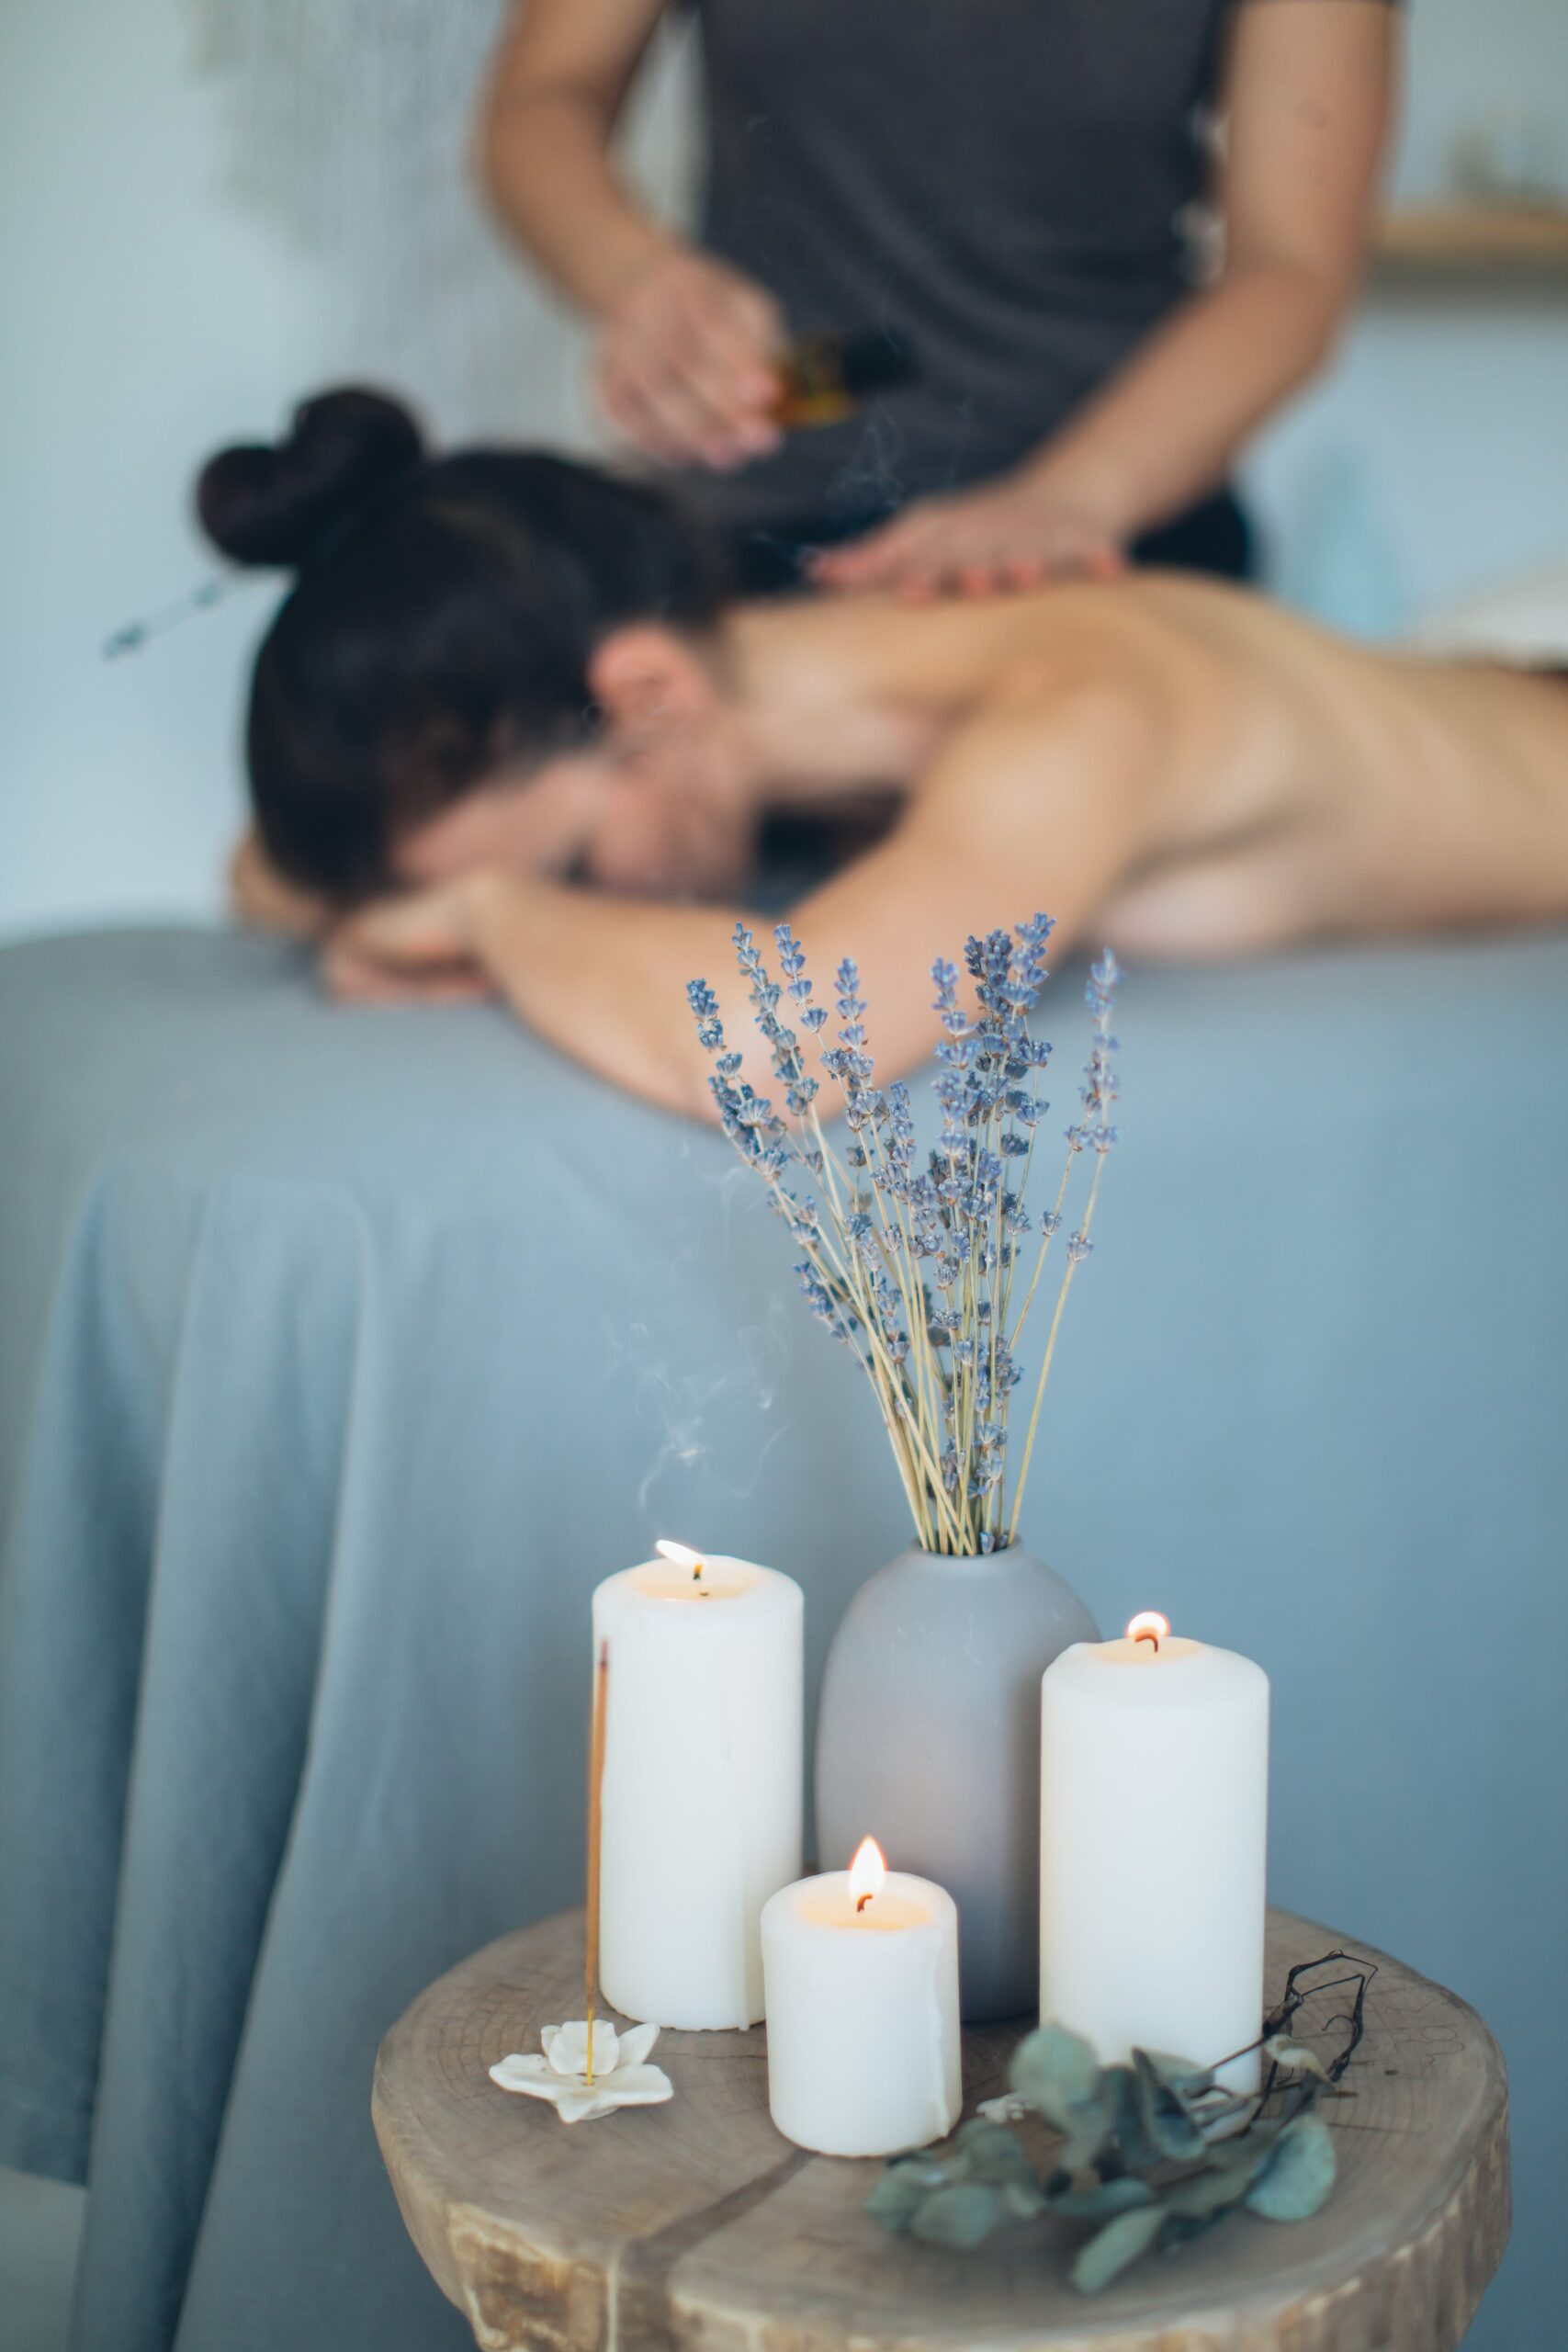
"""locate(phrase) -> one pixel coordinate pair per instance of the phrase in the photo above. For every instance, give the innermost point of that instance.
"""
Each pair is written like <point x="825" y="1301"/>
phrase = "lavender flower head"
<point x="915" y="1264"/>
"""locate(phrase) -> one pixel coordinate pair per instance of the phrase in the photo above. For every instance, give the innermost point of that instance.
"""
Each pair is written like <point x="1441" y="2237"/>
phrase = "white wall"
<point x="1496" y="66"/>
<point x="1434" y="458"/>
<point x="138" y="314"/>
<point x="147" y="314"/>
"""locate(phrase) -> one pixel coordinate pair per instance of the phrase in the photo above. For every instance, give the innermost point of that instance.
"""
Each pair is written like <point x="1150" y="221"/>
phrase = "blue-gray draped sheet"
<point x="342" y="1352"/>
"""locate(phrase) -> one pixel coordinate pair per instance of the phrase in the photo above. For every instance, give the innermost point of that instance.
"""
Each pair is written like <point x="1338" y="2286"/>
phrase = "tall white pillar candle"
<point x="1153" y="1829"/>
<point x="861" y="1970"/>
<point x="703" y="1786"/>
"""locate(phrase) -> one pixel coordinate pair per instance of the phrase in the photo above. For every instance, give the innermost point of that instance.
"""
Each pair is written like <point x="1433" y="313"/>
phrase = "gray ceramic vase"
<point x="929" y="1741"/>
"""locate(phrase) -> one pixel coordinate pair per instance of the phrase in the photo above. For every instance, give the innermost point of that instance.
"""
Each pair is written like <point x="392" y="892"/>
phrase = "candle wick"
<point x="860" y="1907"/>
<point x="1146" y="1636"/>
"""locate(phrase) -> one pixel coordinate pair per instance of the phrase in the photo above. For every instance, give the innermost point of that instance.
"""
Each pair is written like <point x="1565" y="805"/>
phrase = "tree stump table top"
<point x="695" y="2227"/>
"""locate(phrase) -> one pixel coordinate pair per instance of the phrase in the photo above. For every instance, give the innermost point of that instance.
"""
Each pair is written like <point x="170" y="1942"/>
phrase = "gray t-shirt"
<point x="1001" y="180"/>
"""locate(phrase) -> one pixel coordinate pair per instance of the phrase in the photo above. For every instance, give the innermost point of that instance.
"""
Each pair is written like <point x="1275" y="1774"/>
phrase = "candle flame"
<point x="1148" y="1626"/>
<point x="680" y="1555"/>
<point x="868" y="1872"/>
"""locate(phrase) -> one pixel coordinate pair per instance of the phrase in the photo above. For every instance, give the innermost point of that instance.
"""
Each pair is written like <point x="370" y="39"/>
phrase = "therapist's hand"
<point x="1012" y="535"/>
<point x="686" y="363"/>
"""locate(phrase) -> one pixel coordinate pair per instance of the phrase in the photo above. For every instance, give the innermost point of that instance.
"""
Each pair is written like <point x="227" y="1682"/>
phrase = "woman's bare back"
<point x="1309" y="788"/>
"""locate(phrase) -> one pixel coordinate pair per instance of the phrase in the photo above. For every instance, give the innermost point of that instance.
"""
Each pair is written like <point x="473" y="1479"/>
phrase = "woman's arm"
<point x="1042" y="800"/>
<point x="684" y="362"/>
<point x="260" y="898"/>
<point x="1307" y="101"/>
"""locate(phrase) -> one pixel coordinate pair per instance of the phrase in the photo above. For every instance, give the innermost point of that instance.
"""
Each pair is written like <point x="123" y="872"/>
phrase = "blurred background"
<point x="208" y="206"/>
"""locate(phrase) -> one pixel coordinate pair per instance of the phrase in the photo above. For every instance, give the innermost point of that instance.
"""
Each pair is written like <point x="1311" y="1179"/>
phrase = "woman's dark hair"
<point x="443" y="623"/>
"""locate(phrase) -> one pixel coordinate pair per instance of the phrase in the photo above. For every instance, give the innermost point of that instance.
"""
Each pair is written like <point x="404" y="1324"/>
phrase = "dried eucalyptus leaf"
<point x="993" y="2155"/>
<point x="1178" y="2075"/>
<point x="1215" y="2190"/>
<point x="1243" y="2158"/>
<point x="1286" y="2052"/>
<point x="961" y="2215"/>
<point x="903" y="2190"/>
<point x="1100" y="2204"/>
<point x="1139" y="2152"/>
<point x="1088" y="2128"/>
<point x="1219" y="2114"/>
<point x="1174" y="2128"/>
<point x="1181" y="2229"/>
<point x="1056" y="2072"/>
<point x="1114" y="2247"/>
<point x="1165" y="2120"/>
<point x="1296" y="2180"/>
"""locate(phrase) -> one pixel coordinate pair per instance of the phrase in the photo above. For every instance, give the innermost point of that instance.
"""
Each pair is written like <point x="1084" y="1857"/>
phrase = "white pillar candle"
<point x="861" y="1970"/>
<point x="1153" y="1829"/>
<point x="703" y="1786"/>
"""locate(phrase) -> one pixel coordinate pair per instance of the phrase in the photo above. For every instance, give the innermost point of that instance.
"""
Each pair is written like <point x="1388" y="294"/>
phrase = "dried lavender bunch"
<point x="921" y="1270"/>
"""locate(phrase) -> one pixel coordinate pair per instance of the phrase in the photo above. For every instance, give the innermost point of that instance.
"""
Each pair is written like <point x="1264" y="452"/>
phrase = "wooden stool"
<point x="695" y="2225"/>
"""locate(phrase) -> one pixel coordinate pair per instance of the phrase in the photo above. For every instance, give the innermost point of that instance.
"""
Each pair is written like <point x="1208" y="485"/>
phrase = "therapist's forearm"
<point x="1168" y="426"/>
<point x="546" y="165"/>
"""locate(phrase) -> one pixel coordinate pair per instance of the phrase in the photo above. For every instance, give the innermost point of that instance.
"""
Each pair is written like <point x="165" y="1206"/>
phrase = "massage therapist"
<point x="1009" y="184"/>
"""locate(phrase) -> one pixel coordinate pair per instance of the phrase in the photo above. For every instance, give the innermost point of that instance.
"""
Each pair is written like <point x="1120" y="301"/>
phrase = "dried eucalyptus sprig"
<point x="1153" y="2152"/>
<point x="918" y="1270"/>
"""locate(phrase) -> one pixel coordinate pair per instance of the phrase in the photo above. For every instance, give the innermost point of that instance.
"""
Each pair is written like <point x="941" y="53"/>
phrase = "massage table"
<point x="343" y="1351"/>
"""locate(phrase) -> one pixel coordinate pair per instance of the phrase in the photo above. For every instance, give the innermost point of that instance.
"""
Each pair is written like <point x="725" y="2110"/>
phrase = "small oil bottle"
<point x="826" y="377"/>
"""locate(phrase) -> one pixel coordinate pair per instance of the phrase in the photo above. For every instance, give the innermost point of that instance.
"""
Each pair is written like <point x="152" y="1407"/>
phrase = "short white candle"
<point x="1153" y="1833"/>
<point x="862" y="1969"/>
<point x="703" y="1782"/>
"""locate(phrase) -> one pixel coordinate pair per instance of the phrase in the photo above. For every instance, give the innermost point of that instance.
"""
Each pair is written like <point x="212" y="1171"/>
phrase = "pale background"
<point x="149" y="310"/>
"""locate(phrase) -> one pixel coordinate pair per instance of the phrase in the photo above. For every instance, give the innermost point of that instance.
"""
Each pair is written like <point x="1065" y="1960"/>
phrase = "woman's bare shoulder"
<point x="1153" y="639"/>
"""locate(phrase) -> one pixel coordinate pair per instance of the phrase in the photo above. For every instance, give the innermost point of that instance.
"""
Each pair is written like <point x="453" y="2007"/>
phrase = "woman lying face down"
<point x="507" y="733"/>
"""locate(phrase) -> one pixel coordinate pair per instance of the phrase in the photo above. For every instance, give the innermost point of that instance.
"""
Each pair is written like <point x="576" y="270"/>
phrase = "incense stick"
<point x="595" y="1814"/>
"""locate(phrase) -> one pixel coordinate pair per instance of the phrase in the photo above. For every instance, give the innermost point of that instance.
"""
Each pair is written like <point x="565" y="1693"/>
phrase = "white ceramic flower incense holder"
<point x="621" y="2077"/>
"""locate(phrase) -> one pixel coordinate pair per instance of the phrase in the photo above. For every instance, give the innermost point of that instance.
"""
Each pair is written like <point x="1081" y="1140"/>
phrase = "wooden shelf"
<point x="1430" y="240"/>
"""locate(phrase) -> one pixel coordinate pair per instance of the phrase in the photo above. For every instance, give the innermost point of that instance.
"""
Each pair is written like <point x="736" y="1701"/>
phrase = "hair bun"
<point x="275" y="504"/>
